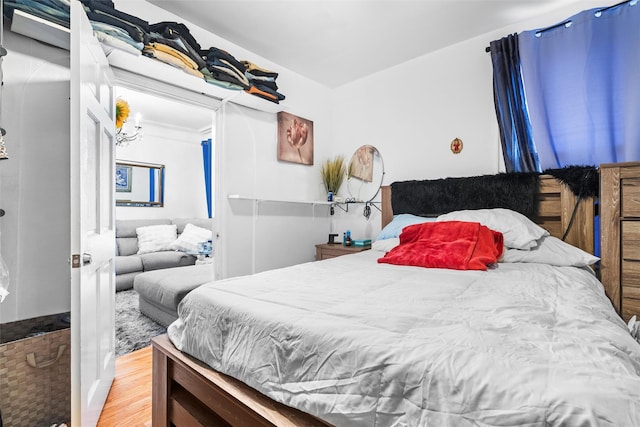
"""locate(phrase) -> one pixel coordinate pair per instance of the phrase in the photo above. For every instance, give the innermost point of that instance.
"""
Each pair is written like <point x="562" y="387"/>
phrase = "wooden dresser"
<point x="620" y="235"/>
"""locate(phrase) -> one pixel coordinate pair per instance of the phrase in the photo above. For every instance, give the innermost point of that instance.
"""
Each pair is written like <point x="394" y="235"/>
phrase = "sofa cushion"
<point x="154" y="238"/>
<point x="127" y="245"/>
<point x="198" y="222"/>
<point x="166" y="259"/>
<point x="190" y="237"/>
<point x="127" y="227"/>
<point x="168" y="287"/>
<point x="128" y="264"/>
<point x="125" y="281"/>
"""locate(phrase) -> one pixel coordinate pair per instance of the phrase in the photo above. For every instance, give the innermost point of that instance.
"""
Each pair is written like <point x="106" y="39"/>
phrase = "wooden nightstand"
<point x="326" y="250"/>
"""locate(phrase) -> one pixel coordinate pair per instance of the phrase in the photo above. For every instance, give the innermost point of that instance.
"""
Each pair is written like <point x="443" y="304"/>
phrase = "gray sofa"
<point x="129" y="264"/>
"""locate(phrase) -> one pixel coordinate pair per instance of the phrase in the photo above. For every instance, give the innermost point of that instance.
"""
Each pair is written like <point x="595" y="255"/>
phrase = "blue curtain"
<point x="518" y="149"/>
<point x="206" y="162"/>
<point x="152" y="185"/>
<point x="582" y="80"/>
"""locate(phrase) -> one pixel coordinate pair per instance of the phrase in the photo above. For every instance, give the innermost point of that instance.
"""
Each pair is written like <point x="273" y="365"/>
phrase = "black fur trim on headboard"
<point x="582" y="180"/>
<point x="515" y="191"/>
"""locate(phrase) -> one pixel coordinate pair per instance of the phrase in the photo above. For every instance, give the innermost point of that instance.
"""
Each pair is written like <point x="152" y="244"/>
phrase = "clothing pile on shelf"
<point x="172" y="43"/>
<point x="169" y="42"/>
<point x="115" y="28"/>
<point x="56" y="11"/>
<point x="263" y="82"/>
<point x="222" y="69"/>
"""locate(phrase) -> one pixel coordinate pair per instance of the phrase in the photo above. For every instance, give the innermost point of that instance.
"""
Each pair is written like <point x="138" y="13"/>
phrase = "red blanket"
<point x="456" y="245"/>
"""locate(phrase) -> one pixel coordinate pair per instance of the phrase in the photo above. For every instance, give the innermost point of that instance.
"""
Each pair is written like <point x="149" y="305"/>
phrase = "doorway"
<point x="162" y="161"/>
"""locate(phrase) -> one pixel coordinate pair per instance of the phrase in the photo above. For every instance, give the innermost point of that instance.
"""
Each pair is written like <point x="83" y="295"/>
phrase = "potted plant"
<point x="333" y="171"/>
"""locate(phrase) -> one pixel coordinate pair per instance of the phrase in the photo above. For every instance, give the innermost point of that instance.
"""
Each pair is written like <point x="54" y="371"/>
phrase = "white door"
<point x="92" y="223"/>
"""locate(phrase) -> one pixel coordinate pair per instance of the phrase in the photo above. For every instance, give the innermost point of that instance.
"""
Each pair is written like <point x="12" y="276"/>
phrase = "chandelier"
<point x="124" y="138"/>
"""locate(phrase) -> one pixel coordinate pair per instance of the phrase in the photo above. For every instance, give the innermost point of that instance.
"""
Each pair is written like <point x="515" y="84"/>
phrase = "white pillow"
<point x="394" y="228"/>
<point x="190" y="237"/>
<point x="519" y="231"/>
<point x="154" y="238"/>
<point x="552" y="251"/>
<point x="385" y="245"/>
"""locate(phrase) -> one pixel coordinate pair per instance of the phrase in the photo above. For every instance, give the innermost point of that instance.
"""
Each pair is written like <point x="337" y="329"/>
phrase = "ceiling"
<point x="164" y="111"/>
<point x="337" y="42"/>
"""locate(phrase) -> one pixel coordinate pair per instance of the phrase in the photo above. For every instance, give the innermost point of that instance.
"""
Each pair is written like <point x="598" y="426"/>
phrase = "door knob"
<point x="86" y="258"/>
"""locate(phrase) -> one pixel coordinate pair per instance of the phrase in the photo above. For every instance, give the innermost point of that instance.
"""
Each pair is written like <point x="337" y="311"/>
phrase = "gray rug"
<point x="134" y="330"/>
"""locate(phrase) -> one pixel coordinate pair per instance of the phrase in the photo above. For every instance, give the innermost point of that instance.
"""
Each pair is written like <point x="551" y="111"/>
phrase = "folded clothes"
<point x="225" y="75"/>
<point x="115" y="32"/>
<point x="109" y="29"/>
<point x="50" y="10"/>
<point x="107" y="8"/>
<point x="104" y="2"/>
<point x="268" y="90"/>
<point x="153" y="48"/>
<point x="209" y="78"/>
<point x="264" y="83"/>
<point x="118" y="43"/>
<point x="262" y="94"/>
<point x="136" y="33"/>
<point x="173" y="57"/>
<point x="214" y="53"/>
<point x="172" y="29"/>
<point x="224" y="66"/>
<point x="177" y="42"/>
<point x="260" y="78"/>
<point x="258" y="71"/>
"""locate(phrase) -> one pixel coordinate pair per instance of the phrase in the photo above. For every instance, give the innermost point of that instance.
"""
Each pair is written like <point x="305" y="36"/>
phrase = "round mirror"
<point x="365" y="173"/>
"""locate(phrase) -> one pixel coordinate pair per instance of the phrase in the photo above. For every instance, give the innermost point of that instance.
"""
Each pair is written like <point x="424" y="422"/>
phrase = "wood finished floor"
<point x="129" y="400"/>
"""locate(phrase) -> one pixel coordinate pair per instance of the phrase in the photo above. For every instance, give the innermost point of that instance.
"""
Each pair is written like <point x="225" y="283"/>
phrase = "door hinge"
<point x="75" y="261"/>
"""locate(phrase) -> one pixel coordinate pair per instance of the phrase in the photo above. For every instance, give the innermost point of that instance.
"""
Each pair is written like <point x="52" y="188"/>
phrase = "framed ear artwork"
<point x="295" y="139"/>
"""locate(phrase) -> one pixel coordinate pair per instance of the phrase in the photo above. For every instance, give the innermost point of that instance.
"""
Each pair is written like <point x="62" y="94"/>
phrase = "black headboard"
<point x="515" y="191"/>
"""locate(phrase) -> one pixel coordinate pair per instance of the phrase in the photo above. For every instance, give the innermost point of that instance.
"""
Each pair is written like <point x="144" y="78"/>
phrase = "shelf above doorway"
<point x="136" y="67"/>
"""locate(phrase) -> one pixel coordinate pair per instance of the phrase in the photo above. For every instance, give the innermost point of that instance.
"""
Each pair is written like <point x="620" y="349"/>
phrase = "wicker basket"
<point x="35" y="380"/>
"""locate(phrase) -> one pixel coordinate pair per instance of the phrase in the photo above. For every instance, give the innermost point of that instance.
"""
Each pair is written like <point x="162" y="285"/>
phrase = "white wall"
<point x="34" y="181"/>
<point x="262" y="235"/>
<point x="180" y="151"/>
<point x="413" y="111"/>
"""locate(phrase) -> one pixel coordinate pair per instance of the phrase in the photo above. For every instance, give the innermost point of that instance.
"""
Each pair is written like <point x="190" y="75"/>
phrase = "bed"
<point x="377" y="348"/>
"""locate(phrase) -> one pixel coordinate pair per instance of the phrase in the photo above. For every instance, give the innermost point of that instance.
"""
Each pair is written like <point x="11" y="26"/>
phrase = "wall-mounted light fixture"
<point x="124" y="138"/>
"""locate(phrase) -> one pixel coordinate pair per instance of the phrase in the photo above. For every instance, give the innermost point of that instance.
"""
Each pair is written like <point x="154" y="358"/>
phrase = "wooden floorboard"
<point x="129" y="400"/>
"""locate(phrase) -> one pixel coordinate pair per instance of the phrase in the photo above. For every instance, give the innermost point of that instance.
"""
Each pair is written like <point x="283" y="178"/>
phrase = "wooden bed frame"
<point x="186" y="392"/>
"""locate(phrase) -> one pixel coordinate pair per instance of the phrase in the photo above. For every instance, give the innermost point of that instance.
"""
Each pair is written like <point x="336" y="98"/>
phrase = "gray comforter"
<point x="358" y="343"/>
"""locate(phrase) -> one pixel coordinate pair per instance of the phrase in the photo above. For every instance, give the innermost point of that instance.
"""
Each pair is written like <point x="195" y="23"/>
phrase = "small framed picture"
<point x="295" y="139"/>
<point x="123" y="179"/>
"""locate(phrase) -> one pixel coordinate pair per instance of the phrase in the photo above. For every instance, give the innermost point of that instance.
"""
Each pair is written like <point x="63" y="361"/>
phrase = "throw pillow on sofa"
<point x="190" y="237"/>
<point x="155" y="238"/>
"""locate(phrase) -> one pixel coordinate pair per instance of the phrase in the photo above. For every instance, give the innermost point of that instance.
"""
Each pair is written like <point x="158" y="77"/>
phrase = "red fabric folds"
<point x="456" y="245"/>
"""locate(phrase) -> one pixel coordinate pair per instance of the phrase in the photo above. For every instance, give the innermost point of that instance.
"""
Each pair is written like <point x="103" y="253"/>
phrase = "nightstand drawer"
<point x="326" y="251"/>
<point x="631" y="240"/>
<point x="631" y="291"/>
<point x="630" y="206"/>
<point x="630" y="273"/>
<point x="630" y="307"/>
<point x="332" y="253"/>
